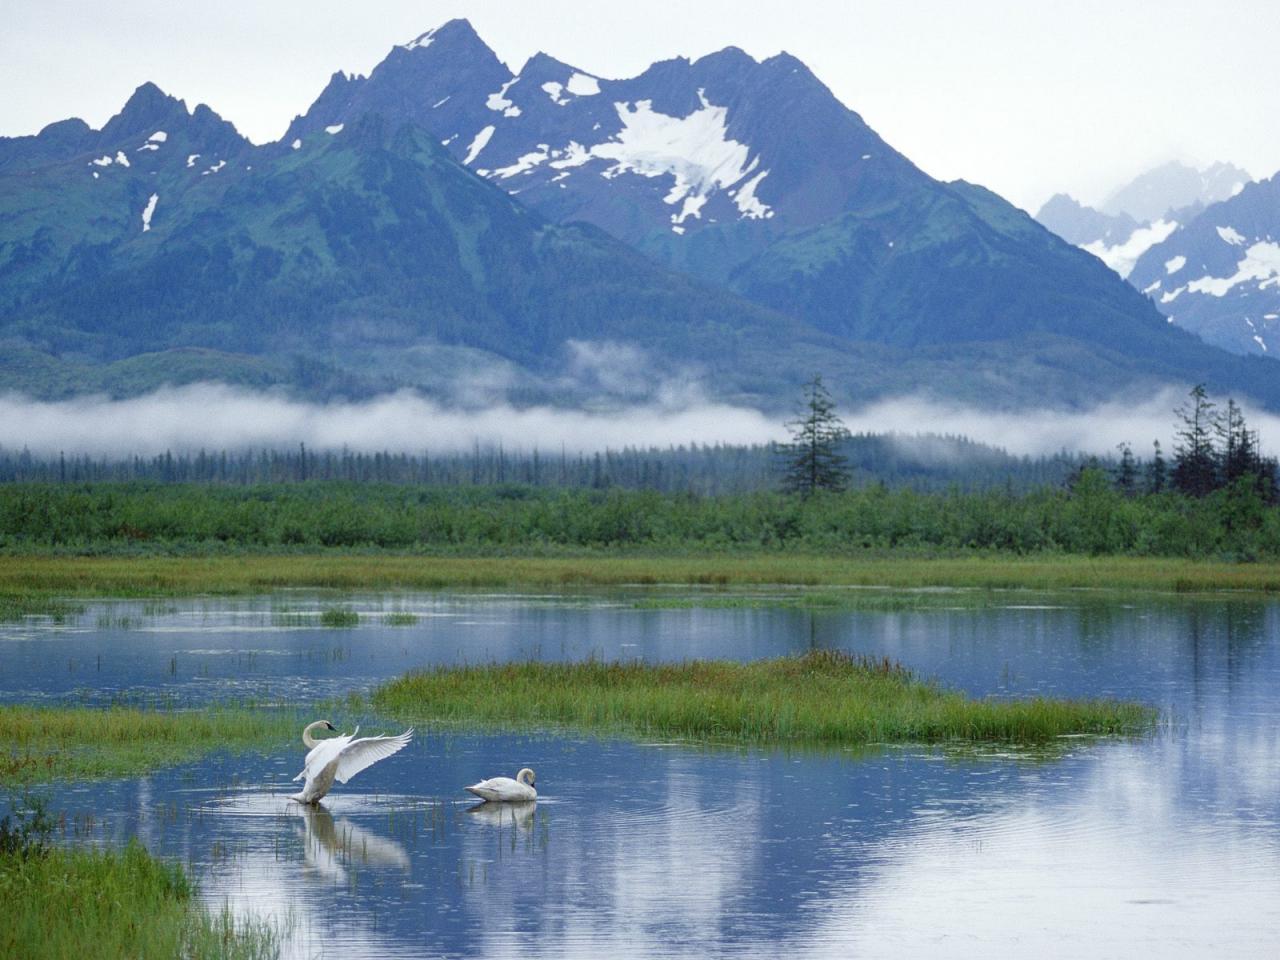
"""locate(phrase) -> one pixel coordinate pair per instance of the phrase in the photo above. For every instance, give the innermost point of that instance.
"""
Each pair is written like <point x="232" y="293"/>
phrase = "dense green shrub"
<point x="1090" y="518"/>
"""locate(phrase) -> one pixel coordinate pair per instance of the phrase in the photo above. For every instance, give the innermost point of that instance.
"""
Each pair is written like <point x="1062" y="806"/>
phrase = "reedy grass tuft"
<point x="15" y="606"/>
<point x="62" y="903"/>
<point x="339" y="617"/>
<point x="824" y="697"/>
<point x="47" y="743"/>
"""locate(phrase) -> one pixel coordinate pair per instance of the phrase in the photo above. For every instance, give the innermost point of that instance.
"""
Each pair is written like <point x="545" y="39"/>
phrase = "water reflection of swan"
<point x="340" y="758"/>
<point x="329" y="844"/>
<point x="506" y="790"/>
<point x="518" y="814"/>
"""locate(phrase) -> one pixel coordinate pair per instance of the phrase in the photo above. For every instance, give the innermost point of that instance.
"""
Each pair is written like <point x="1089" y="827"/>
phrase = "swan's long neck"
<point x="308" y="740"/>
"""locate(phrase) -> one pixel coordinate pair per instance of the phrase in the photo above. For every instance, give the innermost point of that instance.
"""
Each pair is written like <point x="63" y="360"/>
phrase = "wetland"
<point x="657" y="844"/>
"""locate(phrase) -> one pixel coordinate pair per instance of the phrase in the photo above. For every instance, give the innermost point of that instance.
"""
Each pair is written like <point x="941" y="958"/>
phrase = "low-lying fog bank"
<point x="220" y="417"/>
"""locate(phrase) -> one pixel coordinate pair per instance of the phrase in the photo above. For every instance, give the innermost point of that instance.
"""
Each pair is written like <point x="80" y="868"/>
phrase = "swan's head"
<point x="329" y="726"/>
<point x="525" y="776"/>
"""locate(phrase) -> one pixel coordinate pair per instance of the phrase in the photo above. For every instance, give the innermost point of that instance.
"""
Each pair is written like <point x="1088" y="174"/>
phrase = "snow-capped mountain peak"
<point x="683" y="147"/>
<point x="1220" y="275"/>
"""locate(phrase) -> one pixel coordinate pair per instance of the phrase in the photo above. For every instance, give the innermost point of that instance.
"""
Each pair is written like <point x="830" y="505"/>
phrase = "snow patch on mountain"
<point x="121" y="158"/>
<point x="525" y="163"/>
<point x="692" y="207"/>
<point x="1122" y="257"/>
<point x="336" y="128"/>
<point x="1231" y="236"/>
<point x="148" y="211"/>
<point x="748" y="202"/>
<point x="583" y="85"/>
<point x="696" y="150"/>
<point x="297" y="144"/>
<point x="103" y="161"/>
<point x="499" y="103"/>
<point x="575" y="155"/>
<point x="420" y="42"/>
<point x="1261" y="262"/>
<point x="554" y="90"/>
<point x="192" y="158"/>
<point x="478" y="143"/>
<point x="158" y="137"/>
<point x="1173" y="265"/>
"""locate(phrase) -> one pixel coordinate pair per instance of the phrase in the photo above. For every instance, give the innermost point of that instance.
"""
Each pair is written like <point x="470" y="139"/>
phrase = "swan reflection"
<point x="518" y="815"/>
<point x="329" y="844"/>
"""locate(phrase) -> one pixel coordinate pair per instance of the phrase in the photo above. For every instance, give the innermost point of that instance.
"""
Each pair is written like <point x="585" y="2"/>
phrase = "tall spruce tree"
<point x="1195" y="464"/>
<point x="1157" y="472"/>
<point x="1127" y="471"/>
<point x="813" y="459"/>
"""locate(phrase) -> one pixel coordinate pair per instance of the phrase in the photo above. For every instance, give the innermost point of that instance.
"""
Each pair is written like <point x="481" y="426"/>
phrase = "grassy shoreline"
<point x="38" y="577"/>
<point x="75" y="902"/>
<point x="52" y="743"/>
<point x="821" y="698"/>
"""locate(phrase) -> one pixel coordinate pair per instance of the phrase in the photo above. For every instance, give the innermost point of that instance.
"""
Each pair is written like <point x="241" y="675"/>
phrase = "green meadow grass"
<point x="819" y="698"/>
<point x="47" y="743"/>
<point x="81" y="903"/>
<point x="41" y="578"/>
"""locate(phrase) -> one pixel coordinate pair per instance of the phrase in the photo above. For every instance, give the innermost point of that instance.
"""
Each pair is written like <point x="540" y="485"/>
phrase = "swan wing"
<point x="322" y="754"/>
<point x="366" y="751"/>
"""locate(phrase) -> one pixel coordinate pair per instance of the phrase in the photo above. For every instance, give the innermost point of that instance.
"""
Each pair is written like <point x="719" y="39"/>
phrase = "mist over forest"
<point x="216" y="417"/>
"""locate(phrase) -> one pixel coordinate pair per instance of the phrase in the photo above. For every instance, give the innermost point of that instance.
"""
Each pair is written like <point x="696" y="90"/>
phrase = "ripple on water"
<point x="260" y="801"/>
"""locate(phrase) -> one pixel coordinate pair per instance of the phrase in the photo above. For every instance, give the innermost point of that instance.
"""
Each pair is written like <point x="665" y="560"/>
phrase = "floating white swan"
<point x="506" y="790"/>
<point x="340" y="758"/>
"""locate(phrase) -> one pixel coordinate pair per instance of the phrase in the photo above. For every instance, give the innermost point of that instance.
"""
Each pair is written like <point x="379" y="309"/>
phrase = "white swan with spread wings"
<point x="340" y="758"/>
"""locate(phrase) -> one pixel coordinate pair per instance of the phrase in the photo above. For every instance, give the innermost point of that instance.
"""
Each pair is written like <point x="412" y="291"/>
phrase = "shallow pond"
<point x="1167" y="844"/>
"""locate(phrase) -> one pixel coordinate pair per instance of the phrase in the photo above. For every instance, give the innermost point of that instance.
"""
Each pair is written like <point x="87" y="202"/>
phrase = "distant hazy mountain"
<point x="444" y="221"/>
<point x="1156" y="194"/>
<point x="1220" y="275"/>
<point x="1204" y="274"/>
<point x="1127" y="227"/>
<point x="1081" y="225"/>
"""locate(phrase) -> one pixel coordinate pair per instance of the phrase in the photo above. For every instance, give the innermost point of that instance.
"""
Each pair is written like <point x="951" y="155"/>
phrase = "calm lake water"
<point x="1168" y="845"/>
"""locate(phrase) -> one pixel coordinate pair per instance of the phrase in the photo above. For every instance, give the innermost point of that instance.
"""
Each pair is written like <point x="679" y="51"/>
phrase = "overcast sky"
<point x="1025" y="96"/>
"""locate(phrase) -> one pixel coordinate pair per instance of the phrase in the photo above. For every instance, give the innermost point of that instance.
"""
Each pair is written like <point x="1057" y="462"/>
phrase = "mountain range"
<point x="446" y="224"/>
<point x="1220" y="274"/>
<point x="1207" y="257"/>
<point x="1143" y="212"/>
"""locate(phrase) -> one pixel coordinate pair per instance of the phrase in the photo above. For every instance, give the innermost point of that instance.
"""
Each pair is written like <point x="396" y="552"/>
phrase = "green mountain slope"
<point x="330" y="263"/>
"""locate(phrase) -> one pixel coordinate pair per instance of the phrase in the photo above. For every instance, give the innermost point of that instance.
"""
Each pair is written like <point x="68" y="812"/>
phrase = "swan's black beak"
<point x="330" y="725"/>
